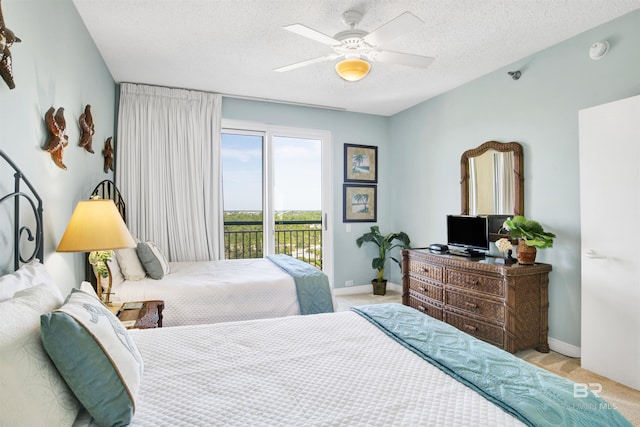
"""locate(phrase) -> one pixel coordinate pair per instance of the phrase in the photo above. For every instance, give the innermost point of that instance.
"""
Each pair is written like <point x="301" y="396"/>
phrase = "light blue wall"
<point x="541" y="112"/>
<point x="55" y="65"/>
<point x="350" y="262"/>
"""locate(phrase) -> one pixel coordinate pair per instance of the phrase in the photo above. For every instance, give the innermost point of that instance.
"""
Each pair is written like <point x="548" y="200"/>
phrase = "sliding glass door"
<point x="243" y="199"/>
<point x="276" y="191"/>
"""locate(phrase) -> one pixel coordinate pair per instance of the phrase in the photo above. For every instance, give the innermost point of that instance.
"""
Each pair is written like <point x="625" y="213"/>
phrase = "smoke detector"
<point x="598" y="50"/>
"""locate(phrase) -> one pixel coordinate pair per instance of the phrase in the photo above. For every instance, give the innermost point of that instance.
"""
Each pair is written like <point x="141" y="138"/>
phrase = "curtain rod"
<point x="251" y="98"/>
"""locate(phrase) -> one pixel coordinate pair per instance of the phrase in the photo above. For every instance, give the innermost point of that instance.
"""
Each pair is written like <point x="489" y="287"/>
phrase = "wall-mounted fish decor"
<point x="57" y="140"/>
<point x="87" y="129"/>
<point x="7" y="39"/>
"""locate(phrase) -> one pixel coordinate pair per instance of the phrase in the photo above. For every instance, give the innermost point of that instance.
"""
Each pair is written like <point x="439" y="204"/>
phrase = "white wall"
<point x="541" y="112"/>
<point x="55" y="65"/>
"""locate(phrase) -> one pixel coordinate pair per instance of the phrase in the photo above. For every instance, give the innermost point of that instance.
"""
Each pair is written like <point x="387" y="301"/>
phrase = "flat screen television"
<point x="468" y="233"/>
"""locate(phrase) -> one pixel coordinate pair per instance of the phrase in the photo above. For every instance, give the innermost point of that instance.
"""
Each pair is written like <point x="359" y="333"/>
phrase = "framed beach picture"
<point x="359" y="203"/>
<point x="360" y="163"/>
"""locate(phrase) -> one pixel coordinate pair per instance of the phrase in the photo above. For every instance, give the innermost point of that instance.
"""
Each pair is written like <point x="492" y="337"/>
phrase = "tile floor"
<point x="344" y="302"/>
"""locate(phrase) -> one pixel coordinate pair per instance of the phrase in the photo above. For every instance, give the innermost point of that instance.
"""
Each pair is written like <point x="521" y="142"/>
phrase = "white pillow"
<point x="88" y="288"/>
<point x="32" y="392"/>
<point x="130" y="264"/>
<point x="116" y="273"/>
<point x="27" y="276"/>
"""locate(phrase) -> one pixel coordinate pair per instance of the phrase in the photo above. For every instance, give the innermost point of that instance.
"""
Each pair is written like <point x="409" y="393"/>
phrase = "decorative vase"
<point x="379" y="287"/>
<point x="526" y="253"/>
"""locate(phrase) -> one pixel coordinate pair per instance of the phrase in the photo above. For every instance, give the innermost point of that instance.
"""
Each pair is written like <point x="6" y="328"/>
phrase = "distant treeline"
<point x="302" y="241"/>
<point x="256" y="216"/>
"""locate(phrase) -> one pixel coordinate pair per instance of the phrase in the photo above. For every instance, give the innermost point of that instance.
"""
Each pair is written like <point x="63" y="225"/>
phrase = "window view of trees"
<point x="297" y="233"/>
<point x="293" y="198"/>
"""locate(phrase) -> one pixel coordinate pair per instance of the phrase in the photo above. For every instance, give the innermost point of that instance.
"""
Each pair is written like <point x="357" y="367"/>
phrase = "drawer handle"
<point x="470" y="304"/>
<point x="422" y="289"/>
<point x="424" y="270"/>
<point x="470" y="327"/>
<point x="421" y="308"/>
<point x="475" y="282"/>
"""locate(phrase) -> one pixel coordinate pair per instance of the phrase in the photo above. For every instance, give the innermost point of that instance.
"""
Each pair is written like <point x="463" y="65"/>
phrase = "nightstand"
<point x="141" y="315"/>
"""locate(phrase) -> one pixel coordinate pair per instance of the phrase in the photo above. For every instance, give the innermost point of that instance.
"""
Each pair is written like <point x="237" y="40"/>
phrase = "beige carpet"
<point x="625" y="399"/>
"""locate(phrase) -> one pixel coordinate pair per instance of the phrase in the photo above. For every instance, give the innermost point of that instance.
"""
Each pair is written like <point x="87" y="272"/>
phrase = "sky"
<point x="297" y="170"/>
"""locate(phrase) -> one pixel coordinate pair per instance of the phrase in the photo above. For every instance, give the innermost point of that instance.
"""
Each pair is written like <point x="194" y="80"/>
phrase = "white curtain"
<point x="504" y="183"/>
<point x="168" y="169"/>
<point x="473" y="187"/>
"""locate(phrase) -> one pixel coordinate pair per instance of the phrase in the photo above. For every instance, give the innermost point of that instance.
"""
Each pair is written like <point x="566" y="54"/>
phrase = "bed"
<point x="71" y="362"/>
<point x="216" y="291"/>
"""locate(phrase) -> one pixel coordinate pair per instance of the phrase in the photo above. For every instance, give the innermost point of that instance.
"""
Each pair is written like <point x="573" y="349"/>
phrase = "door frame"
<point x="269" y="132"/>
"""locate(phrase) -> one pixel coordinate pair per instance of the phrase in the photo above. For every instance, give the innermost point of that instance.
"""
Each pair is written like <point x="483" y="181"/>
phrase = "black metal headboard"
<point x="35" y="202"/>
<point x="105" y="190"/>
<point x="108" y="190"/>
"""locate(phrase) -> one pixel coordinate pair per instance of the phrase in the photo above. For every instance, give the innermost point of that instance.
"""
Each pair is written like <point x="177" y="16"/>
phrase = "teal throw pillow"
<point x="96" y="357"/>
<point x="153" y="260"/>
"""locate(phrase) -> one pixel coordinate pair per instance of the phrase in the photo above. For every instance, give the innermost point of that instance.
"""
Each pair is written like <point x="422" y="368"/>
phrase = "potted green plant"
<point x="531" y="236"/>
<point x="385" y="244"/>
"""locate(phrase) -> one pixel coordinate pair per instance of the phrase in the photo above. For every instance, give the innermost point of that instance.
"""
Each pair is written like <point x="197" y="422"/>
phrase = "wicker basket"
<point x="526" y="253"/>
<point x="379" y="287"/>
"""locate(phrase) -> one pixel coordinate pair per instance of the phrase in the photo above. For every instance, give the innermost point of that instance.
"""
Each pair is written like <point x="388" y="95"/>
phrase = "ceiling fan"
<point x="358" y="48"/>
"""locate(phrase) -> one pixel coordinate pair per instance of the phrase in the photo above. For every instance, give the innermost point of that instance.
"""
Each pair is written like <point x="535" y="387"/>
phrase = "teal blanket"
<point x="533" y="395"/>
<point x="312" y="285"/>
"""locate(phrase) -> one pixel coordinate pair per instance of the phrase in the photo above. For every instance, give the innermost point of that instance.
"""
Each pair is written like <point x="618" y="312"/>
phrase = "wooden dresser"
<point x="505" y="305"/>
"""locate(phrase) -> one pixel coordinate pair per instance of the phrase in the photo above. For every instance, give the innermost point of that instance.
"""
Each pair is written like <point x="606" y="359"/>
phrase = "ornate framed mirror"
<point x="492" y="180"/>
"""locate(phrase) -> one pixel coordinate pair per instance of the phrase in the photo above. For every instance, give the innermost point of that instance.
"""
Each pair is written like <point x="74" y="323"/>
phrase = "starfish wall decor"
<point x="57" y="140"/>
<point x="87" y="129"/>
<point x="7" y="39"/>
<point x="108" y="155"/>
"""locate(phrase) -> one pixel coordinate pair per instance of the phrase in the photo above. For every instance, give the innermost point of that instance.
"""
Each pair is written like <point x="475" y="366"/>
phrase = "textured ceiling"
<point x="232" y="46"/>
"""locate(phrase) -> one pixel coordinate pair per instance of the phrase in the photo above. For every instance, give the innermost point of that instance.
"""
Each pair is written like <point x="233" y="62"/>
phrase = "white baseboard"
<point x="364" y="289"/>
<point x="564" y="348"/>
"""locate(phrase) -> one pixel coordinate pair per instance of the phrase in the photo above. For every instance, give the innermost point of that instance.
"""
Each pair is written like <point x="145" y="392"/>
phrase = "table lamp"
<point x="97" y="227"/>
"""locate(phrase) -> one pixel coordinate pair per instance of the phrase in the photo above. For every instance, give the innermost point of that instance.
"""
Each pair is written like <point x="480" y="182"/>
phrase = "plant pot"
<point x="526" y="253"/>
<point x="379" y="287"/>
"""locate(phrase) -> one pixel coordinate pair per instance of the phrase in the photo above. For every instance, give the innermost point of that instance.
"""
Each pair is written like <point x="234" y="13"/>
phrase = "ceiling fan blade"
<point x="312" y="34"/>
<point x="403" y="58"/>
<point x="401" y="24"/>
<point x="307" y="62"/>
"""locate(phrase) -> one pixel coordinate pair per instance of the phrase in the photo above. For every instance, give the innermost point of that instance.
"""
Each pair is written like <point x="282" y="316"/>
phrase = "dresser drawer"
<point x="430" y="290"/>
<point x="490" y="333"/>
<point x="430" y="308"/>
<point x="426" y="270"/>
<point x="491" y="310"/>
<point x="476" y="282"/>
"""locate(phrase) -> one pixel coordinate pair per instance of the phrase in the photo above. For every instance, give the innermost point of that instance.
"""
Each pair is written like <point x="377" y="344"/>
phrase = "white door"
<point x="610" y="218"/>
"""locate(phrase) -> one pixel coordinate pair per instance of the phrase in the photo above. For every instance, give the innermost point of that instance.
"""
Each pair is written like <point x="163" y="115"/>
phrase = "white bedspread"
<point x="320" y="370"/>
<point x="217" y="291"/>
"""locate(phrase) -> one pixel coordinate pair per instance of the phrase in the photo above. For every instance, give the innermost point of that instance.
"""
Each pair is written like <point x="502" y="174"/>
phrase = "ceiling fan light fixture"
<point x="353" y="70"/>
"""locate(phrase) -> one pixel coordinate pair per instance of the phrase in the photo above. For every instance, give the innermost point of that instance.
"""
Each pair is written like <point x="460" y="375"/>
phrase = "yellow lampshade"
<point x="96" y="225"/>
<point x="353" y="70"/>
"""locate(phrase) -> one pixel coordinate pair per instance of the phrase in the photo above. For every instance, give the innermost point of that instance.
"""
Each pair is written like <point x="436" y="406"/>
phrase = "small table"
<point x="141" y="315"/>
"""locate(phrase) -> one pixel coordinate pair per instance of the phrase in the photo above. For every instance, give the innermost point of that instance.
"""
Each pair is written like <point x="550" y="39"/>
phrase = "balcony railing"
<point x="300" y="239"/>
